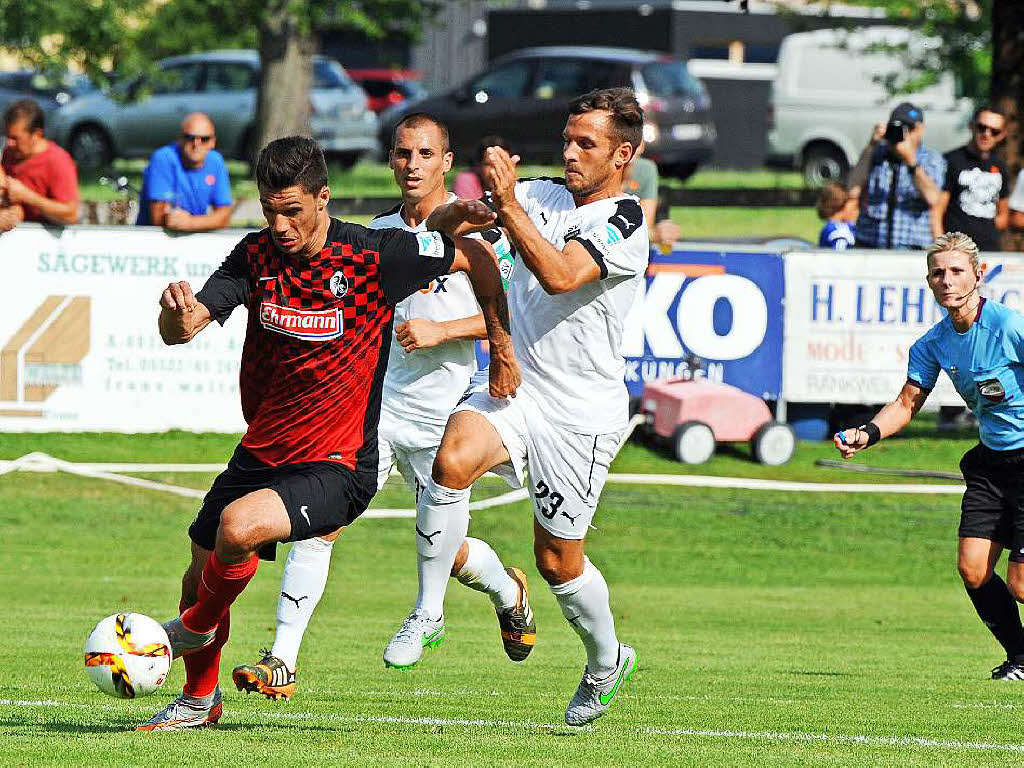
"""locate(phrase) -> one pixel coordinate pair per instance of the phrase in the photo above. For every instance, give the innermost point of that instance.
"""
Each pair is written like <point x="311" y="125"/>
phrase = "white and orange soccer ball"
<point x="128" y="655"/>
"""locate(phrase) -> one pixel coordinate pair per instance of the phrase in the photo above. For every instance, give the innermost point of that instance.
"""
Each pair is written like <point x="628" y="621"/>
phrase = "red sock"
<point x="202" y="668"/>
<point x="220" y="585"/>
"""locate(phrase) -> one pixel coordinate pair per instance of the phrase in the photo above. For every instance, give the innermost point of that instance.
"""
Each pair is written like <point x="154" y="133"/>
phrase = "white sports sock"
<point x="484" y="572"/>
<point x="442" y="519"/>
<point x="302" y="586"/>
<point x="584" y="603"/>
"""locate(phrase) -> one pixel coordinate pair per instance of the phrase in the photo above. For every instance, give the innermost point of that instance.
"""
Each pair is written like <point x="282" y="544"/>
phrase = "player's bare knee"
<point x="974" y="575"/>
<point x="552" y="566"/>
<point x="235" y="534"/>
<point x="452" y="469"/>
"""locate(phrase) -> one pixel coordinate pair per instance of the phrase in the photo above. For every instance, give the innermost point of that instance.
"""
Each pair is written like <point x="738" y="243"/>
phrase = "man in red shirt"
<point x="320" y="295"/>
<point x="38" y="180"/>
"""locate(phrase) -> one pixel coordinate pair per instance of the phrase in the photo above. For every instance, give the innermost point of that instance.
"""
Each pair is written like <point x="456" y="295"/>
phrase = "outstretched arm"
<point x="888" y="421"/>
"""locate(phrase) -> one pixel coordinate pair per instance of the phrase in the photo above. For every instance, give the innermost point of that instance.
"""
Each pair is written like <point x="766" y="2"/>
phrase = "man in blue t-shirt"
<point x="185" y="187"/>
<point x="980" y="346"/>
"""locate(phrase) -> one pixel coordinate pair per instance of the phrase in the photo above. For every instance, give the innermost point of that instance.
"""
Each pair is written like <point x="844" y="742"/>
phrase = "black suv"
<point x="524" y="97"/>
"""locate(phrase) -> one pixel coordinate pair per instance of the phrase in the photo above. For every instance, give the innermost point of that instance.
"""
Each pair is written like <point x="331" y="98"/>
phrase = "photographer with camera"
<point x="900" y="183"/>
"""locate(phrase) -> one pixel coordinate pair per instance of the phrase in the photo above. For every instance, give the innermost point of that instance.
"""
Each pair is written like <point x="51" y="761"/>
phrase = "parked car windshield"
<point x="670" y="78"/>
<point x="329" y="74"/>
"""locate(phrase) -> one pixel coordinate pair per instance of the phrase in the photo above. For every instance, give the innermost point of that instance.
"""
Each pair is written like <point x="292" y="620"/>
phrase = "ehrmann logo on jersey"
<point x="319" y="325"/>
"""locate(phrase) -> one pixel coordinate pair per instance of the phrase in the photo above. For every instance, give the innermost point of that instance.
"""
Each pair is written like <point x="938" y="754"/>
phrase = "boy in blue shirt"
<point x="838" y="208"/>
<point x="185" y="180"/>
<point x="980" y="346"/>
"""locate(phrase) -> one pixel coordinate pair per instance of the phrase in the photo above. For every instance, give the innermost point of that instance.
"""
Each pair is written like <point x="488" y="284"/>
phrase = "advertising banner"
<point x="852" y="317"/>
<point x="723" y="306"/>
<point x="79" y="347"/>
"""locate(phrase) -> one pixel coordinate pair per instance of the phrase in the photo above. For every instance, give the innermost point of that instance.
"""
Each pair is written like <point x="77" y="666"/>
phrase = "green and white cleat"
<point x="417" y="632"/>
<point x="594" y="695"/>
<point x="186" y="712"/>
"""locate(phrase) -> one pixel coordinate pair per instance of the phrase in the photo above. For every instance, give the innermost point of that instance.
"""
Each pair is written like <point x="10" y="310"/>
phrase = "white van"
<point x="830" y="91"/>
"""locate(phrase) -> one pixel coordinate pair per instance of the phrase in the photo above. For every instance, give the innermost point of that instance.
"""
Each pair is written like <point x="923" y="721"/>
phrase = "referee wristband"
<point x="872" y="431"/>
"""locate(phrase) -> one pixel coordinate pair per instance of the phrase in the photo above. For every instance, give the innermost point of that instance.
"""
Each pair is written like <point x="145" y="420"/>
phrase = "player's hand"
<point x="461" y="217"/>
<point x="504" y="376"/>
<point x="177" y="219"/>
<point x="877" y="134"/>
<point x="850" y="441"/>
<point x="178" y="298"/>
<point x="420" y="333"/>
<point x="499" y="171"/>
<point x="474" y="212"/>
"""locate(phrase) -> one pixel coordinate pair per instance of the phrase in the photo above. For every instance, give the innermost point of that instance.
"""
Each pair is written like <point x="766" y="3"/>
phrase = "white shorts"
<point x="408" y="445"/>
<point x="567" y="469"/>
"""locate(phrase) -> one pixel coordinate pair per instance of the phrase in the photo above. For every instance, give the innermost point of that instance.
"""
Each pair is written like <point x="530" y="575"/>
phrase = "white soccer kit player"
<point x="422" y="388"/>
<point x="567" y="418"/>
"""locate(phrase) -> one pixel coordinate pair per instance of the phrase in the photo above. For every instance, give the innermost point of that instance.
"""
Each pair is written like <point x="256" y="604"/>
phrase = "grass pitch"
<point x="773" y="629"/>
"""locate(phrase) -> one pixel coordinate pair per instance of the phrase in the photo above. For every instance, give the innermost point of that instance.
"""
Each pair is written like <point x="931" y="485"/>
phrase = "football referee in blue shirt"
<point x="980" y="346"/>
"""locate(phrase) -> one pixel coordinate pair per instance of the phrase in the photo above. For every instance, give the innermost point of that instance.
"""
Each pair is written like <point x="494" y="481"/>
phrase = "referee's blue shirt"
<point x="985" y="366"/>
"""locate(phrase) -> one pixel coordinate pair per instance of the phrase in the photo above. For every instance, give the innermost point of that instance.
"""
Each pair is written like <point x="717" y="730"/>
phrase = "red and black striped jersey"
<point x="319" y="329"/>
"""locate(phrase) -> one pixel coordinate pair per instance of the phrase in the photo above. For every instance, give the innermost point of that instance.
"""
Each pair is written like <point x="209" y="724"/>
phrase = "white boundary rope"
<point x="41" y="462"/>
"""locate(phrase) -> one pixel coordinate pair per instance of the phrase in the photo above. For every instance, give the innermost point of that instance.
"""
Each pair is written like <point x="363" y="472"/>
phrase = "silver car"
<point x="147" y="112"/>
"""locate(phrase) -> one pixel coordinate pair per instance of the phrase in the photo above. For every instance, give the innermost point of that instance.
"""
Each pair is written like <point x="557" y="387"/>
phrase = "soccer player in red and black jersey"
<point x="320" y="295"/>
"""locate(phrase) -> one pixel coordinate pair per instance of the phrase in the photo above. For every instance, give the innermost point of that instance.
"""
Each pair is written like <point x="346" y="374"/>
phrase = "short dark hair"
<point x="987" y="108"/>
<point x="831" y="200"/>
<point x="291" y="161"/>
<point x="25" y="109"/>
<point x="415" y="120"/>
<point x="627" y="114"/>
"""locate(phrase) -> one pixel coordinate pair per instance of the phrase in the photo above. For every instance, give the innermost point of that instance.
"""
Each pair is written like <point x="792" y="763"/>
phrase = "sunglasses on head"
<point x="196" y="137"/>
<point x="990" y="130"/>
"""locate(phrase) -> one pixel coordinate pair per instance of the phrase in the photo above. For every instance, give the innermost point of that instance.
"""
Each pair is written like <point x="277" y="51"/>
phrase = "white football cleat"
<point x="417" y="632"/>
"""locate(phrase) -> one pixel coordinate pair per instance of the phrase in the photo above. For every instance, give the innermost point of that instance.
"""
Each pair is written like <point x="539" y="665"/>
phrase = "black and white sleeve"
<point x="408" y="260"/>
<point x="229" y="286"/>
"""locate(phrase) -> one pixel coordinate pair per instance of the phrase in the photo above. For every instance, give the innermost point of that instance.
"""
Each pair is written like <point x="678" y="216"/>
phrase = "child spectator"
<point x="838" y="208"/>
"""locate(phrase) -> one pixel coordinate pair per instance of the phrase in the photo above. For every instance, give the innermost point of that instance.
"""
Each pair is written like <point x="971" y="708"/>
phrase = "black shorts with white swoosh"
<point x="320" y="496"/>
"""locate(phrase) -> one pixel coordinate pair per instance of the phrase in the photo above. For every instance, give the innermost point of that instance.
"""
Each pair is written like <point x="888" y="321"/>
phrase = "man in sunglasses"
<point x="974" y="196"/>
<point x="185" y="187"/>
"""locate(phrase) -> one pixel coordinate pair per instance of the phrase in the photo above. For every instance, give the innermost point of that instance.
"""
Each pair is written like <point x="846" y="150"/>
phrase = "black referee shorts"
<point x="320" y="496"/>
<point x="993" y="504"/>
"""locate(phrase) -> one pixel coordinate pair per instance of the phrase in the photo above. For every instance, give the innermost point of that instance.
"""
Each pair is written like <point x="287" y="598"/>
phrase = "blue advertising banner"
<point x="724" y="306"/>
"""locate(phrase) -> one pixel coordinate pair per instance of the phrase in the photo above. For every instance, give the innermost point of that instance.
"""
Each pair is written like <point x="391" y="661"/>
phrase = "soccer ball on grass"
<point x="128" y="655"/>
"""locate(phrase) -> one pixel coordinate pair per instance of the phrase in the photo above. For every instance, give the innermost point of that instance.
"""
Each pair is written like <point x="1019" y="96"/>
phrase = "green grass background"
<point x="814" y="617"/>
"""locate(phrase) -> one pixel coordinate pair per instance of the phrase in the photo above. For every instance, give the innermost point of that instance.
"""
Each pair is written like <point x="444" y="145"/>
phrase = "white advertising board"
<point x="79" y="347"/>
<point x="851" y="318"/>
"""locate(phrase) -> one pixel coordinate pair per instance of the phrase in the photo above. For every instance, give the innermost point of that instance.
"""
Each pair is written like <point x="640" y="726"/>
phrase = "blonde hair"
<point x="955" y="241"/>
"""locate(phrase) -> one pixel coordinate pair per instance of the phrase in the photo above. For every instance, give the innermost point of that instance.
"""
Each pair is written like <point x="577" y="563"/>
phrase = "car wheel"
<point x="773" y="444"/>
<point x="693" y="442"/>
<point x="822" y="164"/>
<point x="90" y="148"/>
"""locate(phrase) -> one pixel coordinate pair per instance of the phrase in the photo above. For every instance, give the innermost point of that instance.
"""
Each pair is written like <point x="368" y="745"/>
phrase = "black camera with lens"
<point x="895" y="132"/>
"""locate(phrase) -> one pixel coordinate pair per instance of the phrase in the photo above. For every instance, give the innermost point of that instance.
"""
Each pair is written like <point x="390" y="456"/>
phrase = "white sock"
<point x="484" y="572"/>
<point x="584" y="603"/>
<point x="302" y="586"/>
<point x="442" y="519"/>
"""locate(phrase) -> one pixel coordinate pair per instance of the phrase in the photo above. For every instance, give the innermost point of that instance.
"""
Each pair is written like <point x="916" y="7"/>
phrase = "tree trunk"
<point x="1008" y="89"/>
<point x="1008" y="73"/>
<point x="286" y="76"/>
